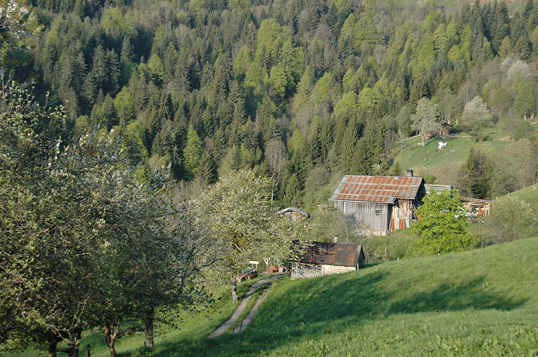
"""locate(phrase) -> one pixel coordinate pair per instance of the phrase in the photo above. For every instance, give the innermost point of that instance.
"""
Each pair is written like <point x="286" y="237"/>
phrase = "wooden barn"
<point x="381" y="203"/>
<point x="321" y="259"/>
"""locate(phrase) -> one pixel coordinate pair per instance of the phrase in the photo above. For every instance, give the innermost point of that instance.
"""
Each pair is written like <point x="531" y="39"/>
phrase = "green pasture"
<point x="528" y="194"/>
<point x="481" y="302"/>
<point x="445" y="163"/>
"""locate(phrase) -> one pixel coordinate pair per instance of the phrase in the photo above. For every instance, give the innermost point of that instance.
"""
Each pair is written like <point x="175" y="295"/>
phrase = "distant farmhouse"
<point x="327" y="258"/>
<point x="477" y="207"/>
<point x="382" y="203"/>
<point x="295" y="213"/>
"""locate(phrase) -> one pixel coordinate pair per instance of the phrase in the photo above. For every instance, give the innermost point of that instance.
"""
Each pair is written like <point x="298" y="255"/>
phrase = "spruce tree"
<point x="476" y="175"/>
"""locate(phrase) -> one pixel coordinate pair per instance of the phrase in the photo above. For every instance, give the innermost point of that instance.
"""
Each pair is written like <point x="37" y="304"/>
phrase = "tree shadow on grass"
<point x="455" y="297"/>
<point x="311" y="308"/>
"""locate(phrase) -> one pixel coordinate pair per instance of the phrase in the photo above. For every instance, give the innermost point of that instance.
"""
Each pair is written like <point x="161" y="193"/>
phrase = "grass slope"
<point x="446" y="163"/>
<point x="528" y="194"/>
<point x="508" y="156"/>
<point x="482" y="302"/>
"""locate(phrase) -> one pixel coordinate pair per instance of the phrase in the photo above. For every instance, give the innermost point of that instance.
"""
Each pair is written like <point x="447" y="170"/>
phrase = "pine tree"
<point x="292" y="192"/>
<point x="127" y="54"/>
<point x="476" y="175"/>
<point x="206" y="170"/>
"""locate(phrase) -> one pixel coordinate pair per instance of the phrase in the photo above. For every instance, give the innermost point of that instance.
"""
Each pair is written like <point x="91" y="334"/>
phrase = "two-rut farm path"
<point x="235" y="316"/>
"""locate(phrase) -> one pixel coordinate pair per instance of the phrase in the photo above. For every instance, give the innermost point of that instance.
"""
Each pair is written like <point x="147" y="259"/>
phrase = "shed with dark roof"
<point x="320" y="259"/>
<point x="381" y="204"/>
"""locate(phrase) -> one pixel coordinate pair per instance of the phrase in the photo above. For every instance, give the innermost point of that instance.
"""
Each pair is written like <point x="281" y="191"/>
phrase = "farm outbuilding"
<point x="381" y="204"/>
<point x="477" y="207"/>
<point x="321" y="259"/>
<point x="295" y="213"/>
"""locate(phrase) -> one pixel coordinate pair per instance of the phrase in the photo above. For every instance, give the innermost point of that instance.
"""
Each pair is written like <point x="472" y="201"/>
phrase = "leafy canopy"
<point x="441" y="224"/>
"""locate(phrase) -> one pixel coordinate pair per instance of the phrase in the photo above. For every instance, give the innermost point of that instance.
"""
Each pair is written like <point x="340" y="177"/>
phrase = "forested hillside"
<point x="304" y="89"/>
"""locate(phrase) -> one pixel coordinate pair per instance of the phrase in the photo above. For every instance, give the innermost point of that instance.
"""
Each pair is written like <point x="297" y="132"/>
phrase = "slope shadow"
<point x="340" y="301"/>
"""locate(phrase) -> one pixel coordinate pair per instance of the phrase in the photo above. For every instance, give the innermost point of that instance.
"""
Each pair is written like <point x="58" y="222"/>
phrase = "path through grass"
<point x="479" y="302"/>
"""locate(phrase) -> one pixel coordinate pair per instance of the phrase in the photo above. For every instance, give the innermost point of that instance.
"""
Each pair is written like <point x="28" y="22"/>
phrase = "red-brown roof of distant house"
<point x="381" y="189"/>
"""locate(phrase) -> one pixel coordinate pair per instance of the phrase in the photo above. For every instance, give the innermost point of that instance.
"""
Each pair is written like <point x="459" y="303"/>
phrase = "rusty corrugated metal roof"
<point x="381" y="189"/>
<point x="332" y="254"/>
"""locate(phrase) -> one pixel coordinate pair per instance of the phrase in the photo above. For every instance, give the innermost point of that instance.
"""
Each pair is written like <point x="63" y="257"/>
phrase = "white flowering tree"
<point x="237" y="214"/>
<point x="425" y="118"/>
<point x="476" y="116"/>
<point x="17" y="21"/>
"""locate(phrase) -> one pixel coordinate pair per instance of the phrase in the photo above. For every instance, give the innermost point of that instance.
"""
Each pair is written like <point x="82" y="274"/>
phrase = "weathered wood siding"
<point x="374" y="216"/>
<point x="301" y="270"/>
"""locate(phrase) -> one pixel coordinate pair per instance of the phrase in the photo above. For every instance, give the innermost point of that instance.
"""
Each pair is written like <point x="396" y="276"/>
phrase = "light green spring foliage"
<point x="425" y="119"/>
<point x="193" y="151"/>
<point x="514" y="219"/>
<point x="441" y="224"/>
<point x="525" y="101"/>
<point x="237" y="212"/>
<point x="322" y="88"/>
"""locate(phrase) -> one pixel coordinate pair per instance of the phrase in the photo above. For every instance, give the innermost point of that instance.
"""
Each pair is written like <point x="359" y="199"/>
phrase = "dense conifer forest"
<point x="304" y="90"/>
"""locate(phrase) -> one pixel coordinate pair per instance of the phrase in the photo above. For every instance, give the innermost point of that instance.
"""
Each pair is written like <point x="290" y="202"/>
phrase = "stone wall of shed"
<point x="334" y="269"/>
<point x="374" y="217"/>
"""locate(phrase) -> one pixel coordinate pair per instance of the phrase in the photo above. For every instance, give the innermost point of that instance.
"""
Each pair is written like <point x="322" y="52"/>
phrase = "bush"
<point x="441" y="227"/>
<point x="513" y="219"/>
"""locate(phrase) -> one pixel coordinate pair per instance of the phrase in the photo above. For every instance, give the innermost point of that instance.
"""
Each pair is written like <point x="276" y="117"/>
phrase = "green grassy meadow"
<point x="528" y="194"/>
<point x="444" y="164"/>
<point x="480" y="302"/>
<point x="509" y="156"/>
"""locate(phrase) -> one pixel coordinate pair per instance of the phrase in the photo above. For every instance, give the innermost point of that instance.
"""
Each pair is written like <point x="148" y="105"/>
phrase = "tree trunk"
<point x="72" y="344"/>
<point x="111" y="335"/>
<point x="234" y="289"/>
<point x="73" y="348"/>
<point x="149" y="343"/>
<point x="53" y="344"/>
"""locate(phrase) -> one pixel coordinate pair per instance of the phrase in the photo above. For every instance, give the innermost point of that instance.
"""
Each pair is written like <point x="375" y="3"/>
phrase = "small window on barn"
<point x="377" y="212"/>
